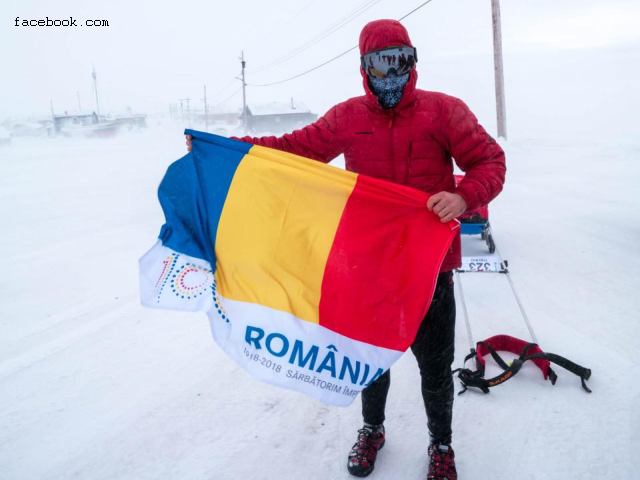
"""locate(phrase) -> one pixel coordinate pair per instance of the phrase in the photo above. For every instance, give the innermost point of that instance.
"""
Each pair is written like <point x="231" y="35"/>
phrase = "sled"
<point x="476" y="222"/>
<point x="479" y="263"/>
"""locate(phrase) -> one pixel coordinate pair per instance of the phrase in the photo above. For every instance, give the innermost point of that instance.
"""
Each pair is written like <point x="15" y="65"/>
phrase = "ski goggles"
<point x="396" y="60"/>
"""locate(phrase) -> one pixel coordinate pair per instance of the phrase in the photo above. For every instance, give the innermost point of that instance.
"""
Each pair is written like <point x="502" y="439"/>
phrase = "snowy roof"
<point x="29" y="125"/>
<point x="73" y="113"/>
<point x="278" y="108"/>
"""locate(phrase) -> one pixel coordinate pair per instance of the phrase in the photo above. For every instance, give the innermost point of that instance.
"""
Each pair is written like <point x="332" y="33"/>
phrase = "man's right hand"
<point x="447" y="205"/>
<point x="189" y="138"/>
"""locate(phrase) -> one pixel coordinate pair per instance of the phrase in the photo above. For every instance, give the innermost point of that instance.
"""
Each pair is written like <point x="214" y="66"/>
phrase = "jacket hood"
<point x="381" y="34"/>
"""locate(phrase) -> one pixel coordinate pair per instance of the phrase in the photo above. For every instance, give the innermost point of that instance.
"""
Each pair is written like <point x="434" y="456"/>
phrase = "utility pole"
<point x="52" y="133"/>
<point x="188" y="111"/>
<point x="95" y="86"/>
<point x="79" y="104"/>
<point x="206" y="111"/>
<point x="501" y="108"/>
<point x="244" y="96"/>
<point x="181" y="113"/>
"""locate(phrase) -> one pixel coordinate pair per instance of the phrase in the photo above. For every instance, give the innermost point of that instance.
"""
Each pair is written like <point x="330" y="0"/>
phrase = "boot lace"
<point x="442" y="465"/>
<point x="365" y="450"/>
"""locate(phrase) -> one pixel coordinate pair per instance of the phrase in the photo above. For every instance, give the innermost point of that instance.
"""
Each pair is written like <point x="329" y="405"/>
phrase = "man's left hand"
<point x="446" y="205"/>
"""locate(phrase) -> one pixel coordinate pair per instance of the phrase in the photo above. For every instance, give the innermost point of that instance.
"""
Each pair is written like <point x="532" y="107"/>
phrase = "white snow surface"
<point x="93" y="386"/>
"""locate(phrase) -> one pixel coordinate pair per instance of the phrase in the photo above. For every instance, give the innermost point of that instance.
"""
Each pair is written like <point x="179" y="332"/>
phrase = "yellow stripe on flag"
<point x="277" y="228"/>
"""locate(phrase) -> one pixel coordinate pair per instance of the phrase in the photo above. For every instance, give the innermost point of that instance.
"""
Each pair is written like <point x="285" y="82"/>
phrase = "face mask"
<point x="389" y="89"/>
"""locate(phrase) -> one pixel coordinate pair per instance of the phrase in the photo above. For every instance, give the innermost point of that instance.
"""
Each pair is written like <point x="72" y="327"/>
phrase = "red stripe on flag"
<point x="383" y="265"/>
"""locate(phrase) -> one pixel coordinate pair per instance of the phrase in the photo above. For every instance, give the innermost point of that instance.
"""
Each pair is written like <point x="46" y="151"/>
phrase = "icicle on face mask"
<point x="388" y="89"/>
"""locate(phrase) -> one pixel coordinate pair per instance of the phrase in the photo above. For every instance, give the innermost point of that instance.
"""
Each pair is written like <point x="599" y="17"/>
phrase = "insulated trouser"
<point x="433" y="348"/>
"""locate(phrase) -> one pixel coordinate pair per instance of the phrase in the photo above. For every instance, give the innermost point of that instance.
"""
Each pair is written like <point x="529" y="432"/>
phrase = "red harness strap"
<point x="526" y="351"/>
<point x="506" y="343"/>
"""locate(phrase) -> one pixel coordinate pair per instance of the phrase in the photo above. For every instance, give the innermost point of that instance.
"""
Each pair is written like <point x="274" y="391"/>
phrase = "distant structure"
<point x="278" y="117"/>
<point x="84" y="124"/>
<point x="218" y="115"/>
<point x="33" y="127"/>
<point x="62" y="123"/>
<point x="5" y="136"/>
<point x="131" y="121"/>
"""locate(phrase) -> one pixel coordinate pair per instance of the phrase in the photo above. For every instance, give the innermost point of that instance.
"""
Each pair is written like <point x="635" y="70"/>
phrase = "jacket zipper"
<point x="391" y="151"/>
<point x="409" y="161"/>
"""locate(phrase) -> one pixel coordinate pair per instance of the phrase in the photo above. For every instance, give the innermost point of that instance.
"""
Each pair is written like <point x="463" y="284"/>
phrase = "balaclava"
<point x="389" y="89"/>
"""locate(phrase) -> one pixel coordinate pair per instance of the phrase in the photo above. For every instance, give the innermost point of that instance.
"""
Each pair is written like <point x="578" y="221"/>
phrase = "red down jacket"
<point x="412" y="144"/>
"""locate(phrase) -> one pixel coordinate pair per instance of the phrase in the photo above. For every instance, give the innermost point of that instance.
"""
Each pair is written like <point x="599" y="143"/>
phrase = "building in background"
<point x="218" y="116"/>
<point x="30" y="127"/>
<point x="63" y="123"/>
<point x="278" y="117"/>
<point x="5" y="136"/>
<point x="132" y="121"/>
<point x="87" y="125"/>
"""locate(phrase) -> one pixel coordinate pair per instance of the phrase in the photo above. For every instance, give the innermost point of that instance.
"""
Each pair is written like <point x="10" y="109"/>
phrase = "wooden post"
<point x="244" y="96"/>
<point x="206" y="111"/>
<point x="53" y="119"/>
<point x="95" y="86"/>
<point x="501" y="108"/>
<point x="188" y="100"/>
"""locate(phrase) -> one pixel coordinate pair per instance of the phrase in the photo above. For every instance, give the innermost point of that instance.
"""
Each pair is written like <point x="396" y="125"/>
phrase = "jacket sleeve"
<point x="477" y="154"/>
<point x="319" y="141"/>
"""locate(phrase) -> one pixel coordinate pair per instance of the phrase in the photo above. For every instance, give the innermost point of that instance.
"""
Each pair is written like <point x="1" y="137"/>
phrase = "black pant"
<point x="433" y="349"/>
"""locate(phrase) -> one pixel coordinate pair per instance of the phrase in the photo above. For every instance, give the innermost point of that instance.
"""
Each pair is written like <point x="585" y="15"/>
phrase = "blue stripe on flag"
<point x="193" y="197"/>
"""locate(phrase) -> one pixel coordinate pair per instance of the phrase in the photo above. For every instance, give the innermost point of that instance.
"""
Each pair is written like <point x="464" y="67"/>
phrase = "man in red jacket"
<point x="399" y="133"/>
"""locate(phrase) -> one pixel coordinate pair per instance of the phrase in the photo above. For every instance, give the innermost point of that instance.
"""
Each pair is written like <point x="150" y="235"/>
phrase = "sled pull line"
<point x="515" y="294"/>
<point x="525" y="351"/>
<point x="464" y="310"/>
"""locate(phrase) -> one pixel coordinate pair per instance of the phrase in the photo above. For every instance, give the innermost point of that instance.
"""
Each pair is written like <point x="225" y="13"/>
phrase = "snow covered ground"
<point x="95" y="387"/>
<point x="92" y="386"/>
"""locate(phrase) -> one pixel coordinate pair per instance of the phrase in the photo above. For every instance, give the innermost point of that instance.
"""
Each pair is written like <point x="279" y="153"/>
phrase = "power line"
<point x="312" y="40"/>
<point x="303" y="73"/>
<point x="414" y="10"/>
<point x="304" y="9"/>
<point x="224" y="89"/>
<point x="228" y="98"/>
<point x="331" y="60"/>
<point x="322" y="35"/>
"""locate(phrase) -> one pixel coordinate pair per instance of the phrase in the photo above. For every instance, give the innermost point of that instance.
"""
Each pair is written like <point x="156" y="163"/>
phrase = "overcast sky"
<point x="154" y="53"/>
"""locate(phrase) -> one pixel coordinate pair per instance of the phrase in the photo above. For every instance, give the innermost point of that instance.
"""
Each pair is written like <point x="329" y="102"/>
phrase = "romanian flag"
<point x="313" y="278"/>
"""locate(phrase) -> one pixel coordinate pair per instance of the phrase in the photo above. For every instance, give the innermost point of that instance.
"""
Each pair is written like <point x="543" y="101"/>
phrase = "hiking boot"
<point x="442" y="464"/>
<point x="364" y="452"/>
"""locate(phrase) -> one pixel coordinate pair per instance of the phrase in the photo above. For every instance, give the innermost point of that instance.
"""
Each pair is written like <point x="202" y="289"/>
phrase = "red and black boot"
<point x="364" y="452"/>
<point x="442" y="464"/>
